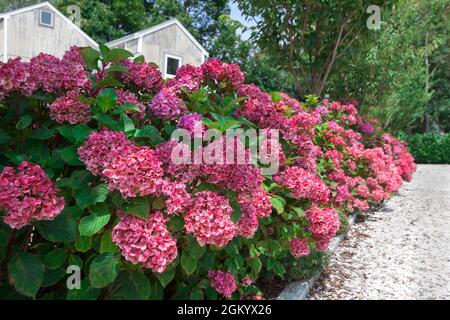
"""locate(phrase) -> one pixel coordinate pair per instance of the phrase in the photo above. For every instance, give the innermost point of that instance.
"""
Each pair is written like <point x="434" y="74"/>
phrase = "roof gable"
<point x="47" y="4"/>
<point x="158" y="27"/>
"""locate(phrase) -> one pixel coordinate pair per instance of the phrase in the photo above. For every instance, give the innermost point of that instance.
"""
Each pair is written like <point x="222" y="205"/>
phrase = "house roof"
<point x="160" y="26"/>
<point x="47" y="4"/>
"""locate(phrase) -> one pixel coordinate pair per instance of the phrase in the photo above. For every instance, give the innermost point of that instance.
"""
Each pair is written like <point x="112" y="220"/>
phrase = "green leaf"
<point x="156" y="290"/>
<point x="197" y="294"/>
<point x="93" y="223"/>
<point x="90" y="57"/>
<point x="194" y="249"/>
<point x="55" y="259"/>
<point x="52" y="277"/>
<point x="107" y="99"/>
<point x="125" y="123"/>
<point x="139" y="207"/>
<point x="255" y="265"/>
<point x="278" y="203"/>
<point x="126" y="106"/>
<point x="188" y="263"/>
<point x="83" y="244"/>
<point x="103" y="270"/>
<point x="5" y="138"/>
<point x="118" y="54"/>
<point x="26" y="273"/>
<point x="106" y="120"/>
<point x="24" y="122"/>
<point x="70" y="156"/>
<point x="86" y="292"/>
<point x="42" y="134"/>
<point x="117" y="68"/>
<point x="134" y="286"/>
<point x="104" y="50"/>
<point x="62" y="229"/>
<point x="81" y="132"/>
<point x="92" y="196"/>
<point x="167" y="276"/>
<point x="150" y="132"/>
<point x="139" y="59"/>
<point x="107" y="245"/>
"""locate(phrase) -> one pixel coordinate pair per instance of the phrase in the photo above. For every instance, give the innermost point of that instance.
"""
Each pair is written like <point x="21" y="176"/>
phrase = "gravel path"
<point x="401" y="251"/>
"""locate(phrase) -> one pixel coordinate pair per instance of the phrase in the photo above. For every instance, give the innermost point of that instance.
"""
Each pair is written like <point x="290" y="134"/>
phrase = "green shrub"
<point x="430" y="148"/>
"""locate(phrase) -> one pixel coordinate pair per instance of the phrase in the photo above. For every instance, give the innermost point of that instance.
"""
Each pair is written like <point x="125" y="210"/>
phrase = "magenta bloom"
<point x="248" y="224"/>
<point x="128" y="97"/>
<point x="223" y="282"/>
<point x="146" y="242"/>
<point x="137" y="173"/>
<point x="146" y="77"/>
<point x="101" y="147"/>
<point x="323" y="224"/>
<point x="167" y="105"/>
<point x="192" y="122"/>
<point x="70" y="109"/>
<point x="188" y="77"/>
<point x="28" y="194"/>
<point x="304" y="184"/>
<point x="299" y="247"/>
<point x="367" y="128"/>
<point x="209" y="219"/>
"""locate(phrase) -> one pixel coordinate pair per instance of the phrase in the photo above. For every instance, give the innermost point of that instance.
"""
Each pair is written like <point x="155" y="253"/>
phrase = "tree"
<point x="307" y="37"/>
<point x="398" y="73"/>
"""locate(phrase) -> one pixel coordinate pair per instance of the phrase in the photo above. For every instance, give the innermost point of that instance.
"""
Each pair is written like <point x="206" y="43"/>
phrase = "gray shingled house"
<point x="42" y="28"/>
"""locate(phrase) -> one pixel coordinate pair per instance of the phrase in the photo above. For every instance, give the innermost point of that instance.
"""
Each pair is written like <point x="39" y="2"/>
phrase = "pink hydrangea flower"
<point x="101" y="147"/>
<point x="192" y="122"/>
<point x="146" y="242"/>
<point x="188" y="77"/>
<point x="128" y="97"/>
<point x="28" y="194"/>
<point x="223" y="282"/>
<point x="178" y="199"/>
<point x="69" y="108"/>
<point x="146" y="77"/>
<point x="137" y="173"/>
<point x="167" y="105"/>
<point x="299" y="247"/>
<point x="248" y="224"/>
<point x="209" y="219"/>
<point x="258" y="200"/>
<point x="323" y="224"/>
<point x="304" y="184"/>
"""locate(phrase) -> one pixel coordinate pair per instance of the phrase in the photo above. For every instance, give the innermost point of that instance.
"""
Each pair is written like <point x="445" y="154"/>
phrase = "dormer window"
<point x="46" y="18"/>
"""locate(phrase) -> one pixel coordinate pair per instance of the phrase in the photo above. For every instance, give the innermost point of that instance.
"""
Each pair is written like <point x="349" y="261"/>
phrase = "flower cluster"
<point x="146" y="242"/>
<point x="69" y="108"/>
<point x="223" y="72"/>
<point x="127" y="97"/>
<point x="136" y="173"/>
<point x="192" y="122"/>
<point x="44" y="72"/>
<point x="223" y="282"/>
<point x="303" y="184"/>
<point x="209" y="219"/>
<point x="323" y="224"/>
<point x="144" y="76"/>
<point x="28" y="194"/>
<point x="167" y="105"/>
<point x="101" y="147"/>
<point x="299" y="247"/>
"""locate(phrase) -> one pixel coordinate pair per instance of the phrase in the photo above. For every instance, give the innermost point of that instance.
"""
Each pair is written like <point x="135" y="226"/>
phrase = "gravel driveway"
<point x="401" y="251"/>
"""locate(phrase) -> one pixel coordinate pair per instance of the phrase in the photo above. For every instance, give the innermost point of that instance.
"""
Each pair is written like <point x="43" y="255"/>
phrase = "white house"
<point x="42" y="28"/>
<point x="168" y="44"/>
<point x="39" y="28"/>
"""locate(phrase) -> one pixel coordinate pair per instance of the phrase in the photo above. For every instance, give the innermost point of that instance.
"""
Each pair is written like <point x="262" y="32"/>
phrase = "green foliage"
<point x="430" y="148"/>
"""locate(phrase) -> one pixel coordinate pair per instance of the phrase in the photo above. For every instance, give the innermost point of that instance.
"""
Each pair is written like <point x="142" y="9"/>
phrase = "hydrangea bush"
<point x="87" y="181"/>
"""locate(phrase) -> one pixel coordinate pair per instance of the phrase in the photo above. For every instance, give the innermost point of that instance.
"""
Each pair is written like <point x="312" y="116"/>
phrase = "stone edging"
<point x="299" y="290"/>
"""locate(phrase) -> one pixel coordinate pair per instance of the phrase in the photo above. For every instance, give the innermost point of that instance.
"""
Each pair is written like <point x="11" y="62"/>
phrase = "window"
<point x="172" y="65"/>
<point x="46" y="18"/>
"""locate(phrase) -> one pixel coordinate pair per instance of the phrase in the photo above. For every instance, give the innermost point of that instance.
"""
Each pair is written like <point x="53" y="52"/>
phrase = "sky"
<point x="237" y="15"/>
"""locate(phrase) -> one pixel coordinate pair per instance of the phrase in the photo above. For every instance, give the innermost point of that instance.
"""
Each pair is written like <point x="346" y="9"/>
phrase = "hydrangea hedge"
<point x="87" y="182"/>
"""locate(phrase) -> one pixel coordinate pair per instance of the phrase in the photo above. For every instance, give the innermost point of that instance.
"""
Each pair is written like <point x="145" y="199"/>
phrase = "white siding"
<point x="26" y="38"/>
